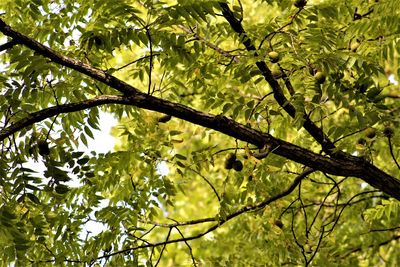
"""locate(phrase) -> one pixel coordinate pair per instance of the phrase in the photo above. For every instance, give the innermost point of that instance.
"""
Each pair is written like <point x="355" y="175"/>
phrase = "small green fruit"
<point x="320" y="77"/>
<point x="276" y="73"/>
<point x="273" y="56"/>
<point x="300" y="3"/>
<point x="388" y="131"/>
<point x="370" y="133"/>
<point x="354" y="46"/>
<point x="238" y="165"/>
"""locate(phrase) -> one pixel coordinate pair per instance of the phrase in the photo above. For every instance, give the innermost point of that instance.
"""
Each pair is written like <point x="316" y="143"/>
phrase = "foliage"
<point x="251" y="133"/>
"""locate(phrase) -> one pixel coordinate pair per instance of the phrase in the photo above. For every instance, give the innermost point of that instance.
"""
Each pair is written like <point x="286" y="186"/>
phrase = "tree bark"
<point x="346" y="165"/>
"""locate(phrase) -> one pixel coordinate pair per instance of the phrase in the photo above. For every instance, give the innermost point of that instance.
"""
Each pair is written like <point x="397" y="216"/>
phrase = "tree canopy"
<point x="250" y="133"/>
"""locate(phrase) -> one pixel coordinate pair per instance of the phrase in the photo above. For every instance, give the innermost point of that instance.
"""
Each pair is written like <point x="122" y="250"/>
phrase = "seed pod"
<point x="300" y="3"/>
<point x="43" y="147"/>
<point x="388" y="131"/>
<point x="238" y="165"/>
<point x="273" y="56"/>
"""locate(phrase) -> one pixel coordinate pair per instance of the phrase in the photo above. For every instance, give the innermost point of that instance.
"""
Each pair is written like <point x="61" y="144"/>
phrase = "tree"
<point x="276" y="120"/>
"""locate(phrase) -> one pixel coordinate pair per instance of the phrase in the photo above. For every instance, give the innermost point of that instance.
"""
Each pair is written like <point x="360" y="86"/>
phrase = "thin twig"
<point x="163" y="248"/>
<point x="245" y="209"/>
<point x="391" y="152"/>
<point x="189" y="247"/>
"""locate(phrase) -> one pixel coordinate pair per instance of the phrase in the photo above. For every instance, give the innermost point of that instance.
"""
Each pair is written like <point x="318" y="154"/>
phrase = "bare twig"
<point x="245" y="209"/>
<point x="391" y="152"/>
<point x="208" y="182"/>
<point x="209" y="44"/>
<point x="163" y="248"/>
<point x="189" y="247"/>
<point x="137" y="60"/>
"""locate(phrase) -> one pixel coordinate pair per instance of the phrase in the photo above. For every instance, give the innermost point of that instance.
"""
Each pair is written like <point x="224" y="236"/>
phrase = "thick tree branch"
<point x="345" y="165"/>
<point x="219" y="123"/>
<point x="56" y="110"/>
<point x="313" y="129"/>
<point x="77" y="65"/>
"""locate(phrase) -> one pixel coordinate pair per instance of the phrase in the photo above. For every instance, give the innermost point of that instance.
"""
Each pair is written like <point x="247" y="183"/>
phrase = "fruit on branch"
<point x="320" y="77"/>
<point x="238" y="165"/>
<point x="370" y="133"/>
<point x="277" y="73"/>
<point x="362" y="142"/>
<point x="354" y="46"/>
<point x="273" y="56"/>
<point x="388" y="131"/>
<point x="43" y="147"/>
<point x="229" y="161"/>
<point x="300" y="3"/>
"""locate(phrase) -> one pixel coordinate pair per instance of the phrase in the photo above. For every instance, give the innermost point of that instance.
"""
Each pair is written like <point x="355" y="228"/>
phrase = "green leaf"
<point x="33" y="198"/>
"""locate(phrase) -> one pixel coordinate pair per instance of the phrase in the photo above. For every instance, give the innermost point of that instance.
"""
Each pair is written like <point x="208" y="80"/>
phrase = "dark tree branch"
<point x="392" y="153"/>
<point x="74" y="64"/>
<point x="322" y="204"/>
<point x="163" y="248"/>
<point x="314" y="130"/>
<point x="8" y="45"/>
<point x="354" y="250"/>
<point x="189" y="247"/>
<point x="222" y="221"/>
<point x="384" y="229"/>
<point x="176" y="224"/>
<point x="345" y="165"/>
<point x="56" y="110"/>
<point x="318" y="246"/>
<point x="137" y="60"/>
<point x="341" y="211"/>
<point x="208" y="182"/>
